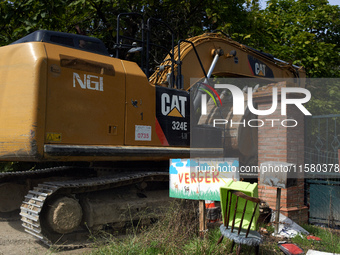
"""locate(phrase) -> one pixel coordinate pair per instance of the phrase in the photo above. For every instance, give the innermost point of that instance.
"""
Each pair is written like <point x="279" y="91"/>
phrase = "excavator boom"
<point x="228" y="58"/>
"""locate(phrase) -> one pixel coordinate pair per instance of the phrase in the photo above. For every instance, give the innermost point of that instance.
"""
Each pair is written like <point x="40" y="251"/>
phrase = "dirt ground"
<point x="14" y="240"/>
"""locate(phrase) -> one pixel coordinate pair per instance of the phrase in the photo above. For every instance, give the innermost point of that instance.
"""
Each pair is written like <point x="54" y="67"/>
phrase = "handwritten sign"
<point x="201" y="179"/>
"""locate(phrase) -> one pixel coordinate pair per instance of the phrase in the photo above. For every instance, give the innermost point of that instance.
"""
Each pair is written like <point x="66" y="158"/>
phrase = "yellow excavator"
<point x="108" y="127"/>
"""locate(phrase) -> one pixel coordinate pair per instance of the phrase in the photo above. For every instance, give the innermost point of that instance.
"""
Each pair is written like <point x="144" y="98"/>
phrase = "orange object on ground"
<point x="315" y="238"/>
<point x="290" y="249"/>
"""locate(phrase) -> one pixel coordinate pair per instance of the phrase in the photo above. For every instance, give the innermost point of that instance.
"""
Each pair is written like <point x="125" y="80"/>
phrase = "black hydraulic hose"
<point x="180" y="64"/>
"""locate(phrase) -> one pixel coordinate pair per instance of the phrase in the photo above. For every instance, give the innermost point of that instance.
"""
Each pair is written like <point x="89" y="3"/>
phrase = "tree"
<point x="305" y="33"/>
<point x="98" y="17"/>
<point x="18" y="18"/>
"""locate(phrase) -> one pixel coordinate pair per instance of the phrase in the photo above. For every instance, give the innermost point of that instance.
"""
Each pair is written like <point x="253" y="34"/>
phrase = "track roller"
<point x="64" y="215"/>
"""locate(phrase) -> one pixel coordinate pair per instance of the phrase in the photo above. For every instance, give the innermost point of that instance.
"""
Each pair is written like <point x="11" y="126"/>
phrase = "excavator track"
<point x="10" y="176"/>
<point x="35" y="200"/>
<point x="15" y="185"/>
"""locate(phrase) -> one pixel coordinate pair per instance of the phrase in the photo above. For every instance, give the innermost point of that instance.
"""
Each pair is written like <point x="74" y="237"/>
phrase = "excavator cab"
<point x="174" y="101"/>
<point x="139" y="39"/>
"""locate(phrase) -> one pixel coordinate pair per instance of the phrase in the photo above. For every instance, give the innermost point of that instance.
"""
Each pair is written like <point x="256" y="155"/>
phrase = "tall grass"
<point x="330" y="239"/>
<point x="177" y="233"/>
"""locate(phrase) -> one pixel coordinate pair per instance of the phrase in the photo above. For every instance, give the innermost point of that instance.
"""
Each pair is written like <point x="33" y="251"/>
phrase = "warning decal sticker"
<point x="53" y="137"/>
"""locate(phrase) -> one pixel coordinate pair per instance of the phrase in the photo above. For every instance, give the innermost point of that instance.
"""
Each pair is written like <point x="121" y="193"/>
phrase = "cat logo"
<point x="260" y="69"/>
<point x="173" y="105"/>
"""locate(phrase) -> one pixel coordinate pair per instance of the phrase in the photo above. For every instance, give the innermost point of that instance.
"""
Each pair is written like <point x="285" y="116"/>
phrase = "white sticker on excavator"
<point x="142" y="133"/>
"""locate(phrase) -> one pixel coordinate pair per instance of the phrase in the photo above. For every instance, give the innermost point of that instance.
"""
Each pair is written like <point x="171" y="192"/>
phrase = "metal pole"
<point x="277" y="216"/>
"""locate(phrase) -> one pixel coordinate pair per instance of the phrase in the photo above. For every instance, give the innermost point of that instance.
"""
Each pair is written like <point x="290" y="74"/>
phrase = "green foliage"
<point x="98" y="17"/>
<point x="6" y="166"/>
<point x="270" y="229"/>
<point x="18" y="18"/>
<point x="16" y="166"/>
<point x="304" y="33"/>
<point x="325" y="96"/>
<point x="208" y="195"/>
<point x="177" y="233"/>
<point x="330" y="239"/>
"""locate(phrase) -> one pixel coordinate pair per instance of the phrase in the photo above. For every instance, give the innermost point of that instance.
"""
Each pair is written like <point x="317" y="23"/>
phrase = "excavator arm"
<point x="215" y="54"/>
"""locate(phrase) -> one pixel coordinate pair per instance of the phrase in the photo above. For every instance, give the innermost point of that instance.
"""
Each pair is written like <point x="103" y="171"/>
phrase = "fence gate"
<point x="322" y="181"/>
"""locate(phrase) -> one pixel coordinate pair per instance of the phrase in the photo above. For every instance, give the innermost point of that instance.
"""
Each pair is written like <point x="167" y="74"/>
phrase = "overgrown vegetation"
<point x="302" y="32"/>
<point x="16" y="166"/>
<point x="330" y="239"/>
<point x="177" y="233"/>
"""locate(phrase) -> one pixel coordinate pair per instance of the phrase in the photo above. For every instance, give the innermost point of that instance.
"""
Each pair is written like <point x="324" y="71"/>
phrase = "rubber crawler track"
<point x="35" y="199"/>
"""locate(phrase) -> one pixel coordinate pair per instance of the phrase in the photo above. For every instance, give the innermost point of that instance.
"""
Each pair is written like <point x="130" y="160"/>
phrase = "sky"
<point x="333" y="2"/>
